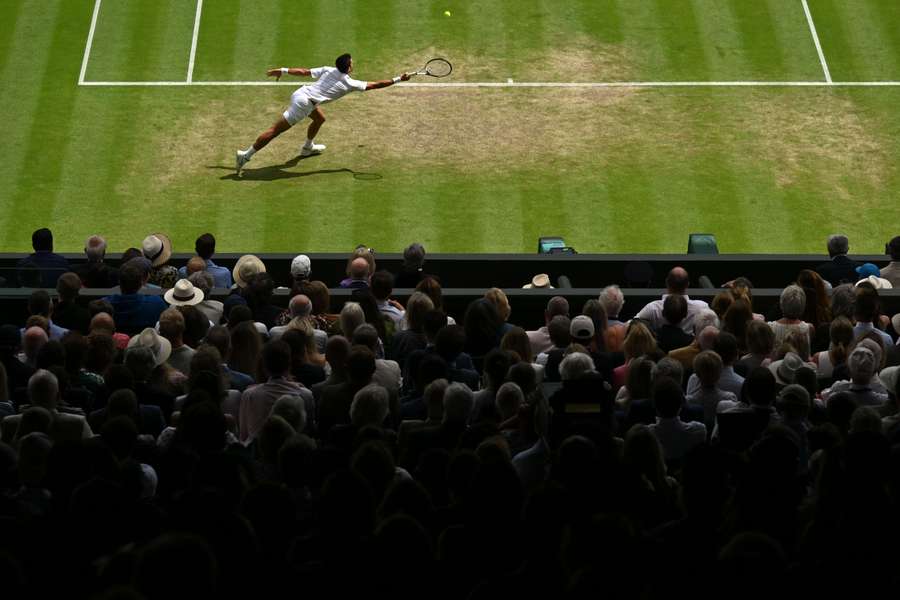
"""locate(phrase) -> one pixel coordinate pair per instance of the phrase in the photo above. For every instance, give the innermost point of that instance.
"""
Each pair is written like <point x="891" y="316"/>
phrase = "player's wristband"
<point x="396" y="79"/>
<point x="284" y="70"/>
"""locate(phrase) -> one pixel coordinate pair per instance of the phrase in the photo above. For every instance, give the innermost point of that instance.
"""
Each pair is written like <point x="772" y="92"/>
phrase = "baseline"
<point x="517" y="84"/>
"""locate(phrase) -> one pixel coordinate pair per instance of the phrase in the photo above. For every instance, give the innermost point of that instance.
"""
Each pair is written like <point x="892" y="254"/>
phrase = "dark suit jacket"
<point x="72" y="315"/>
<point x="333" y="407"/>
<point x="838" y="270"/>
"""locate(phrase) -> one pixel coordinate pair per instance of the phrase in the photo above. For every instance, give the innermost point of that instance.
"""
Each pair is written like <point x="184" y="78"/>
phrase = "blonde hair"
<point x="352" y="316"/>
<point x="638" y="341"/>
<point x="498" y="298"/>
<point x="416" y="307"/>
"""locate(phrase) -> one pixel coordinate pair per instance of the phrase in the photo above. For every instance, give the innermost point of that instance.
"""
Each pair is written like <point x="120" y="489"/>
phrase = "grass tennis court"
<point x="767" y="168"/>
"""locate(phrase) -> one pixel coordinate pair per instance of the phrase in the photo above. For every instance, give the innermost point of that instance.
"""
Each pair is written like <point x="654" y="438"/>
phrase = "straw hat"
<point x="879" y="283"/>
<point x="157" y="248"/>
<point x="785" y="370"/>
<point x="184" y="294"/>
<point x="541" y="280"/>
<point x="148" y="338"/>
<point x="247" y="266"/>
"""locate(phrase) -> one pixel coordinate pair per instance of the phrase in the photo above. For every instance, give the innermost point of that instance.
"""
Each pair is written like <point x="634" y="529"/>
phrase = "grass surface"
<point x="461" y="170"/>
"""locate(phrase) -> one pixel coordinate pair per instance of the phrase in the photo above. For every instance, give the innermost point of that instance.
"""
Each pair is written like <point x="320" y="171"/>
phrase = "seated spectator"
<point x="43" y="392"/>
<point x="677" y="282"/>
<point x="304" y="368"/>
<point x="516" y="340"/>
<point x="205" y="247"/>
<point x="43" y="267"/>
<point x="17" y="372"/>
<point x="257" y="400"/>
<point x="721" y="302"/>
<point x="411" y="273"/>
<point x="639" y="341"/>
<point x="676" y="437"/>
<point x="431" y="287"/>
<point x="794" y="405"/>
<point x="482" y="324"/>
<point x="95" y="273"/>
<point x="458" y="402"/>
<point x="321" y="306"/>
<point x="102" y="324"/>
<point x="759" y="392"/>
<point x="892" y="271"/>
<point x="171" y="327"/>
<point x="704" y="320"/>
<point x="498" y="298"/>
<point x="449" y="344"/>
<point x="413" y="337"/>
<point x="155" y="382"/>
<point x="841" y="336"/>
<point x="737" y="320"/>
<point x="369" y="407"/>
<point x="85" y="387"/>
<point x="584" y="403"/>
<point x="607" y="338"/>
<point x="301" y="270"/>
<point x="373" y="316"/>
<point x="33" y="340"/>
<point x="132" y="310"/>
<point x="509" y="401"/>
<point x="560" y="335"/>
<point x="157" y="248"/>
<point x="382" y="287"/>
<point x="708" y="370"/>
<point x="793" y="305"/>
<point x="358" y="274"/>
<point x="387" y="372"/>
<point x="300" y="309"/>
<point x="219" y="337"/>
<point x="760" y="347"/>
<point x="124" y="403"/>
<point x="6" y="405"/>
<point x="433" y="398"/>
<point x="671" y="334"/>
<point x="540" y="338"/>
<point x="183" y="293"/>
<point x="333" y="407"/>
<point x="68" y="312"/>
<point x="863" y="365"/>
<point x="633" y="398"/>
<point x="258" y="292"/>
<point x="213" y="310"/>
<point x="39" y="304"/>
<point x="725" y="346"/>
<point x="246" y="350"/>
<point x="351" y="317"/>
<point x="840" y="269"/>
<point x="867" y="309"/>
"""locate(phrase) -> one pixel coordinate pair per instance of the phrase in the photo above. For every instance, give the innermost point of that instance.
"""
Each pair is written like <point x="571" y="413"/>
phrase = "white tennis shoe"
<point x="310" y="149"/>
<point x="240" y="160"/>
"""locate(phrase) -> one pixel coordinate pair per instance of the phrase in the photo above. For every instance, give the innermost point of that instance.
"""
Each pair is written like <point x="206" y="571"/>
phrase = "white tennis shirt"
<point x="330" y="85"/>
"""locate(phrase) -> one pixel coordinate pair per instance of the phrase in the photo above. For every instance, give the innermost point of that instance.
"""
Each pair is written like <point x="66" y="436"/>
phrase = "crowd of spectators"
<point x="171" y="445"/>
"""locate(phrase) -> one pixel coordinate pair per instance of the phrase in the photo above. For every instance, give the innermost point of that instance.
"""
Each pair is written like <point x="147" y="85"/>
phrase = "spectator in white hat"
<point x="213" y="309"/>
<point x="157" y="248"/>
<point x="301" y="267"/>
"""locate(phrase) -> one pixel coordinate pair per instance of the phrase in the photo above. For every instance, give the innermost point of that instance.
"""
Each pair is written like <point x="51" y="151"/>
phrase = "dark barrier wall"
<point x="515" y="270"/>
<point x="527" y="305"/>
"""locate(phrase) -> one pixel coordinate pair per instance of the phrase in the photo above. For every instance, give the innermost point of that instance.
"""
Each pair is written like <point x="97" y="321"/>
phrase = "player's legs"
<point x="318" y="119"/>
<point x="279" y="127"/>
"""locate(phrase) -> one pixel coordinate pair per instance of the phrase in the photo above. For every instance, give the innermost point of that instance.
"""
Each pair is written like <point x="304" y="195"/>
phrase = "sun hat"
<point x="582" y="327"/>
<point x="888" y="378"/>
<point x="184" y="294"/>
<point x="157" y="248"/>
<point x="539" y="281"/>
<point x="785" y="370"/>
<point x="300" y="266"/>
<point x="862" y="360"/>
<point x="247" y="266"/>
<point x="879" y="283"/>
<point x="794" y="395"/>
<point x="148" y="338"/>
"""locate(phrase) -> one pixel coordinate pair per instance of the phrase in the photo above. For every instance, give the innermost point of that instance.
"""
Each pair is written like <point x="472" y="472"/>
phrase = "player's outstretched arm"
<point x="277" y="73"/>
<point x="377" y="85"/>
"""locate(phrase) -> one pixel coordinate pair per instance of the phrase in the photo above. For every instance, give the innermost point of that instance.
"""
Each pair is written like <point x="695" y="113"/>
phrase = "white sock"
<point x="250" y="152"/>
<point x="308" y="144"/>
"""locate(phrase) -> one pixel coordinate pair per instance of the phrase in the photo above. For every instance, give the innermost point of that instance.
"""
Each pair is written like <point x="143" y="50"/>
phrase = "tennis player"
<point x="331" y="84"/>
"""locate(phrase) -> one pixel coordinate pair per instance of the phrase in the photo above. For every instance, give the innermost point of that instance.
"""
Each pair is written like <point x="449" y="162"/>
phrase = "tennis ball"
<point x="446" y="13"/>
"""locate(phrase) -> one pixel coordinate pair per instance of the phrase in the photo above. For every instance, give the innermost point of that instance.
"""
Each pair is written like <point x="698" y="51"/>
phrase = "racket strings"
<point x="438" y="67"/>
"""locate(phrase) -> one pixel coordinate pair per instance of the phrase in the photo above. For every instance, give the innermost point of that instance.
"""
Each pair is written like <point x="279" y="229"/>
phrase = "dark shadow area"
<point x="275" y="172"/>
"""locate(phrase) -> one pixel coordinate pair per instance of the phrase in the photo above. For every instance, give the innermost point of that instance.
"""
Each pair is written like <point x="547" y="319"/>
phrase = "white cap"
<point x="300" y="266"/>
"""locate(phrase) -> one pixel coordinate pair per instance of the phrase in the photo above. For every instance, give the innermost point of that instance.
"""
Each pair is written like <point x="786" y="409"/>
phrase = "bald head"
<point x="359" y="268"/>
<point x="103" y="323"/>
<point x="33" y="340"/>
<point x="301" y="306"/>
<point x="677" y="280"/>
<point x="707" y="338"/>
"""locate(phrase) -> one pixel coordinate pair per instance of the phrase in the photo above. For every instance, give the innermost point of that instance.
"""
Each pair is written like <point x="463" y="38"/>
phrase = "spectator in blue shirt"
<point x="43" y="267"/>
<point x="134" y="311"/>
<point x="205" y="247"/>
<point x="39" y="304"/>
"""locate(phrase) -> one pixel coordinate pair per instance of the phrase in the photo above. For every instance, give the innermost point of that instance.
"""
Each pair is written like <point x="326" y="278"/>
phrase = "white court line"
<point x="190" y="72"/>
<point x="815" y="35"/>
<point x="89" y="43"/>
<point x="519" y="84"/>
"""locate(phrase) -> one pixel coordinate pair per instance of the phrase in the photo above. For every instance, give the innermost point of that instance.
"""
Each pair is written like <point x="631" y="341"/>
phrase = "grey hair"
<point x="299" y="308"/>
<point x="369" y="406"/>
<point x="43" y="389"/>
<point x="838" y="244"/>
<point x="508" y="399"/>
<point x="95" y="248"/>
<point x="669" y="367"/>
<point x="291" y="409"/>
<point x="351" y="317"/>
<point x="843" y="300"/>
<point x="141" y="361"/>
<point x="793" y="301"/>
<point x="612" y="299"/>
<point x="575" y="365"/>
<point x="706" y="317"/>
<point x="707" y="338"/>
<point x="458" y="403"/>
<point x="202" y="280"/>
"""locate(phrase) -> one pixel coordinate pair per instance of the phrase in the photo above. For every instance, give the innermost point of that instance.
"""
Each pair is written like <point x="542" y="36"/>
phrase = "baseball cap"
<point x="868" y="269"/>
<point x="582" y="327"/>
<point x="300" y="266"/>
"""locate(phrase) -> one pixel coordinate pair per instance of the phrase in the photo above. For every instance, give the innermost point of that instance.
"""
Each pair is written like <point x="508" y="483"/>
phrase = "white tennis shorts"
<point x="300" y="108"/>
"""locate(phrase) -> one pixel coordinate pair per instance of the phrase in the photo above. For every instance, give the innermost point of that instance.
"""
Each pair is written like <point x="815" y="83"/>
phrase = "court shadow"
<point x="276" y="172"/>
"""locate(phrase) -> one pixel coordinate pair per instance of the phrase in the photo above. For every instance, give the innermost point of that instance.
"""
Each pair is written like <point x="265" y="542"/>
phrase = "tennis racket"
<point x="436" y="67"/>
